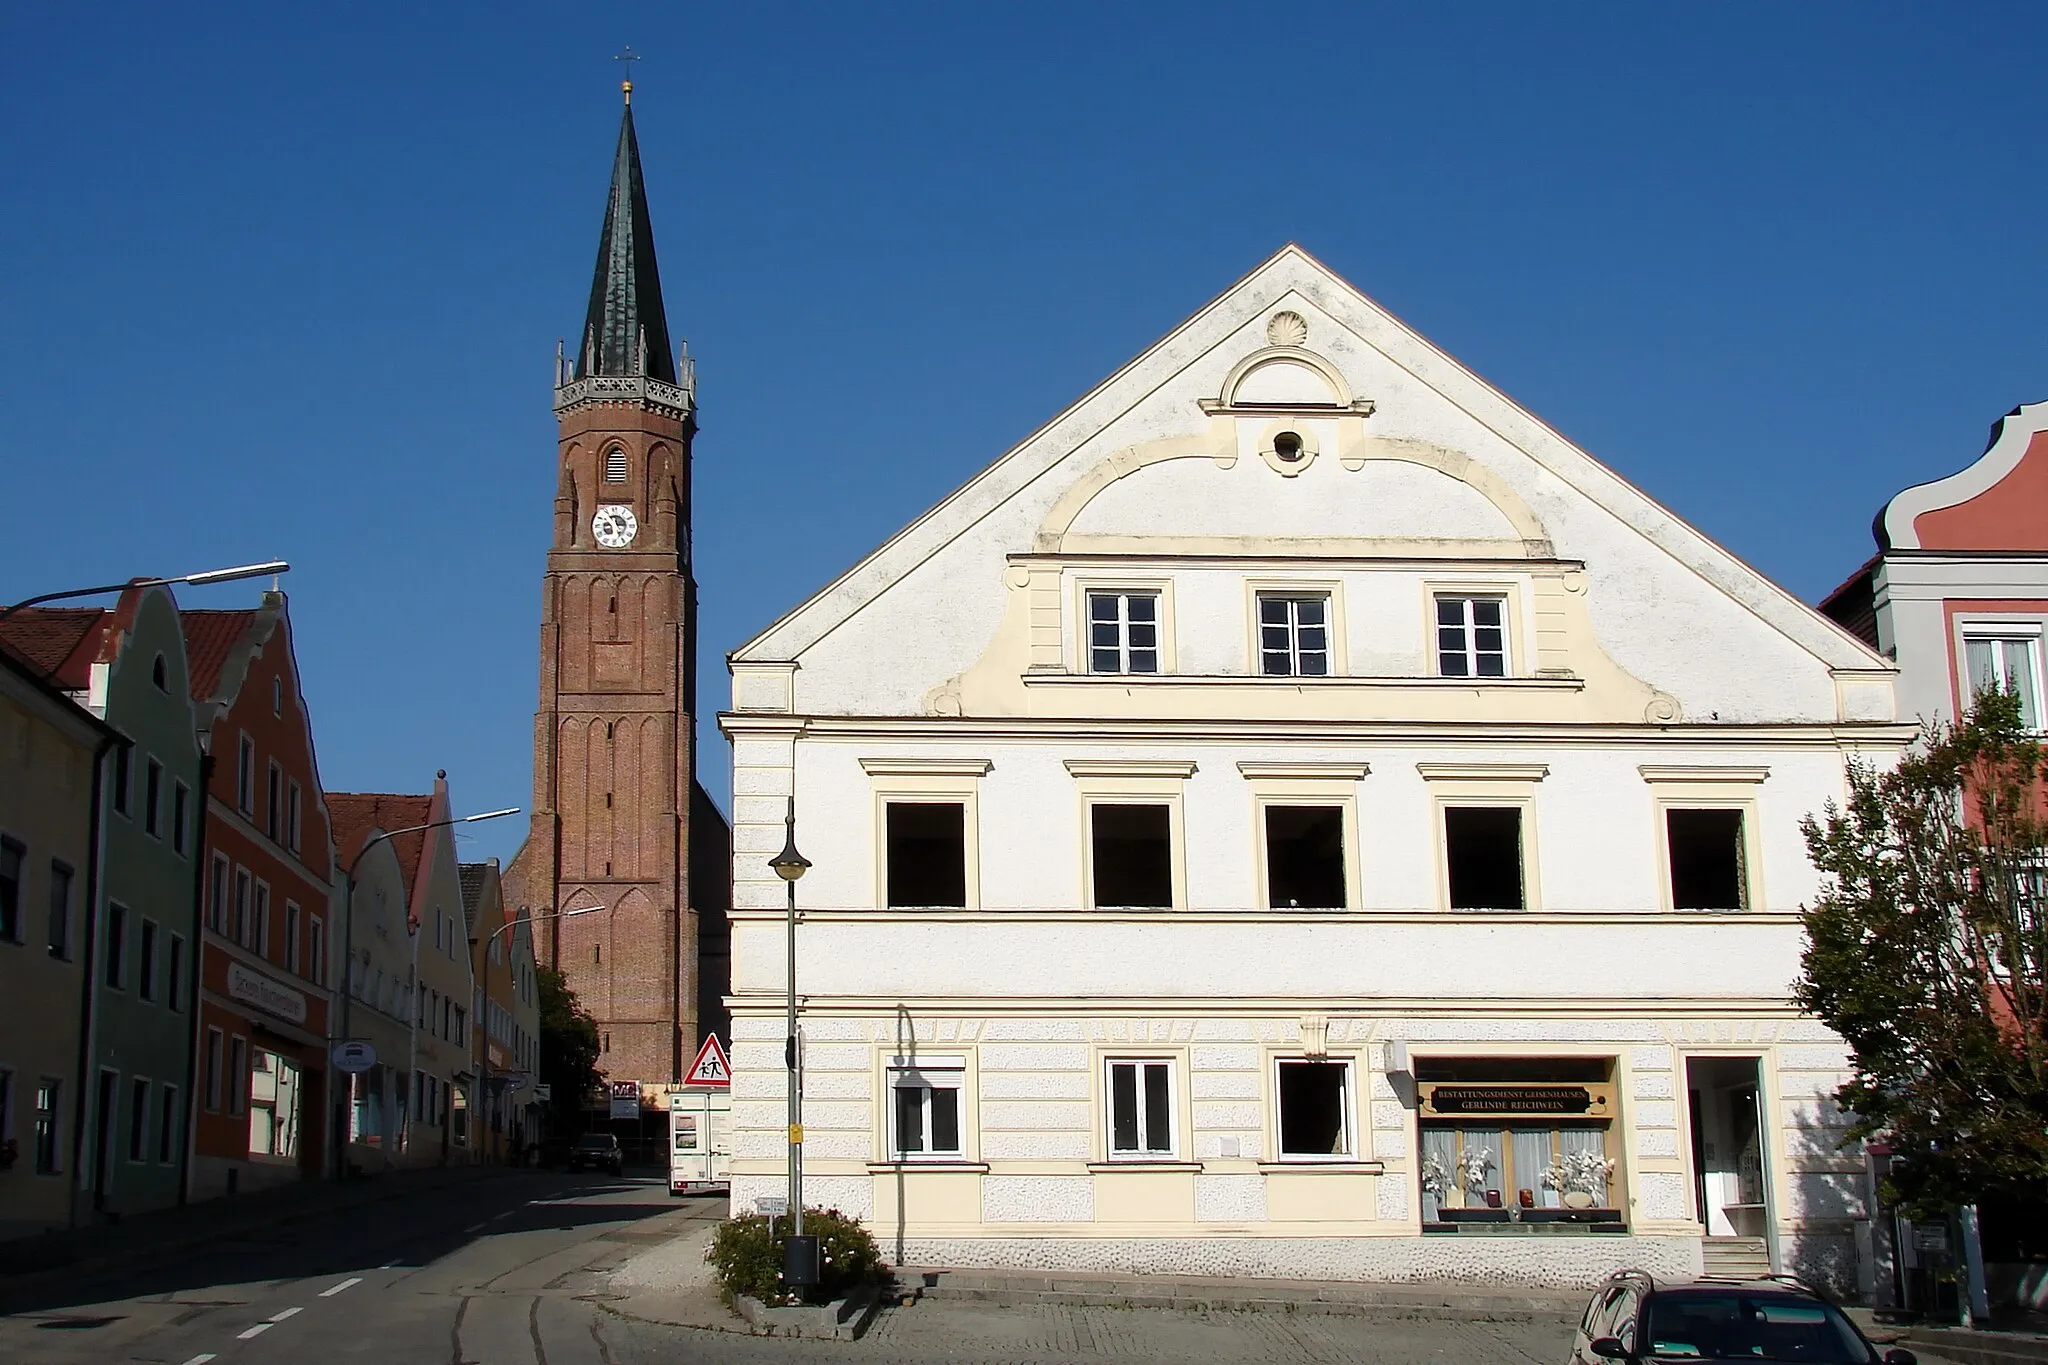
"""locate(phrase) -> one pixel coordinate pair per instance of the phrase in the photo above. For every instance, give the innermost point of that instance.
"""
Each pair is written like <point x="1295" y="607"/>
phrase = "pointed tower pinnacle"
<point x="625" y="331"/>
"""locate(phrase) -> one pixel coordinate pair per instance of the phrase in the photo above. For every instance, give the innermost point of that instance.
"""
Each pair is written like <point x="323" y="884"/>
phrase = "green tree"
<point x="1927" y="950"/>
<point x="568" y="1047"/>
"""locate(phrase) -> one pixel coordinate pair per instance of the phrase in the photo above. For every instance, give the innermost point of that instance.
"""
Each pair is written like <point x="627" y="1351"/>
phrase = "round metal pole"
<point x="796" y="1112"/>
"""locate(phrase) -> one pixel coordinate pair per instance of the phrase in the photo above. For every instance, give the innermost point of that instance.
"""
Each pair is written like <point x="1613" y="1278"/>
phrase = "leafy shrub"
<point x="749" y="1261"/>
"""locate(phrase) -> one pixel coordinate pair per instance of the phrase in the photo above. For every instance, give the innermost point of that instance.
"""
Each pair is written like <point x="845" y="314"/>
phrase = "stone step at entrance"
<point x="1738" y="1258"/>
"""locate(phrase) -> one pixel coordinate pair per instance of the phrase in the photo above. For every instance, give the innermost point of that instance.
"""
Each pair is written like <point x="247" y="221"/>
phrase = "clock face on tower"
<point x="615" y="527"/>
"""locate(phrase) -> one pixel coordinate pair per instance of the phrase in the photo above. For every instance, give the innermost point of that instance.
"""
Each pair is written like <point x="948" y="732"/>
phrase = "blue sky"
<point x="286" y="280"/>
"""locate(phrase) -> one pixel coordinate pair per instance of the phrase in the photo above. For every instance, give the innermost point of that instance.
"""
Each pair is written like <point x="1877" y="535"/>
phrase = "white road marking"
<point x="475" y="1227"/>
<point x="390" y="1265"/>
<point x="330" y="1292"/>
<point x="258" y="1330"/>
<point x="287" y="1313"/>
<point x="496" y="1216"/>
<point x="200" y="1359"/>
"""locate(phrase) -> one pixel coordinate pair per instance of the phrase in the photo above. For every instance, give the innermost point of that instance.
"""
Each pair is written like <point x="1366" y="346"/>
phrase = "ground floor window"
<point x="1315" y="1108"/>
<point x="275" y="1086"/>
<point x="1141" y="1108"/>
<point x="924" y="1111"/>
<point x="1516" y="1139"/>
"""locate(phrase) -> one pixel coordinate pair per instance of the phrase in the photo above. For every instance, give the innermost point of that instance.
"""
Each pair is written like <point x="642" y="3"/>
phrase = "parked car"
<point x="597" y="1151"/>
<point x="1633" y="1318"/>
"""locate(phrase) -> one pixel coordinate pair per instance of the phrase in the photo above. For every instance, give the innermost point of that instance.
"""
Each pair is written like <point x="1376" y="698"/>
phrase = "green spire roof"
<point x="625" y="332"/>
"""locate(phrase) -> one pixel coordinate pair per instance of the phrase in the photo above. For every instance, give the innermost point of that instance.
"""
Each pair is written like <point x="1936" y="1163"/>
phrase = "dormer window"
<point x="615" y="465"/>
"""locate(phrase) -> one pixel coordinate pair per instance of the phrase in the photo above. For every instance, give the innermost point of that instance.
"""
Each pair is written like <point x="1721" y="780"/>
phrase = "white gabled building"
<point x="1278" y="815"/>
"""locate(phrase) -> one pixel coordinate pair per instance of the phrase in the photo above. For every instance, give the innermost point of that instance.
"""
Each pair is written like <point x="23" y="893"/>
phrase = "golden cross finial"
<point x="628" y="56"/>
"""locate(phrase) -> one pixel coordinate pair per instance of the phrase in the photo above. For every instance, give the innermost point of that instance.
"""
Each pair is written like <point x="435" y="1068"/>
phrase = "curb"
<point x="1350" y="1300"/>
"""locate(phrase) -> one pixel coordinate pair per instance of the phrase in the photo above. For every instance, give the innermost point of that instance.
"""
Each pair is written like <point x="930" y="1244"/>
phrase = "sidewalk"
<point x="32" y="1262"/>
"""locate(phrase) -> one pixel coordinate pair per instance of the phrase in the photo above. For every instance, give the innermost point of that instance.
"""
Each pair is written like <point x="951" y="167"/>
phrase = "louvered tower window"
<point x="615" y="465"/>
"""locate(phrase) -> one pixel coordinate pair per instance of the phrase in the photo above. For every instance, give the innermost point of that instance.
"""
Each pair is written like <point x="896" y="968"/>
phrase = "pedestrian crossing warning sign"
<point x="711" y="1067"/>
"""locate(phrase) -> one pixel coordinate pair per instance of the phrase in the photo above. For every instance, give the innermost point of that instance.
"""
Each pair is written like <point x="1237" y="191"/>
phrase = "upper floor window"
<point x="158" y="674"/>
<point x="615" y="465"/>
<point x="152" y="796"/>
<point x="1707" y="862"/>
<point x="273" y="799"/>
<point x="1294" y="636"/>
<point x="1132" y="854"/>
<point x="1123" y="632"/>
<point x="124" y="760"/>
<point x="181" y="797"/>
<point x="277" y="696"/>
<point x="926" y="853"/>
<point x="245" y="776"/>
<point x="12" y="856"/>
<point x="2009" y="663"/>
<point x="291" y="816"/>
<point x="1483" y="857"/>
<point x="1471" y="637"/>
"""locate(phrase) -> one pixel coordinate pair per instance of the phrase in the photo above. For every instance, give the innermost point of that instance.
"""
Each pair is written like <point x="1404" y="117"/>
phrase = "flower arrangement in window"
<point x="1584" y="1174"/>
<point x="1473" y="1164"/>
<point x="1436" y="1179"/>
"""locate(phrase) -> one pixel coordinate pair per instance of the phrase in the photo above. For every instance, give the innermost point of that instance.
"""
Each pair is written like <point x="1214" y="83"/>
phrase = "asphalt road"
<point x="515" y="1271"/>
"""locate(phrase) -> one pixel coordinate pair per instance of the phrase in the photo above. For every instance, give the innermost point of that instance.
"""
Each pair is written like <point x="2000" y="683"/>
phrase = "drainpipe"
<point x="191" y="1092"/>
<point x="88" y="994"/>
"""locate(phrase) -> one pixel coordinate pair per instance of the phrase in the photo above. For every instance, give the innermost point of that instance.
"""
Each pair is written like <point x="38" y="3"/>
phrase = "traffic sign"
<point x="354" y="1057"/>
<point x="711" y="1066"/>
<point x="771" y="1205"/>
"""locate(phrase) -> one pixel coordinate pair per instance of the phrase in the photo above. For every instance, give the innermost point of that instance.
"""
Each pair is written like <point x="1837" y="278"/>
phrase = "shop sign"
<point x="1518" y="1101"/>
<point x="254" y="988"/>
<point x="625" y="1099"/>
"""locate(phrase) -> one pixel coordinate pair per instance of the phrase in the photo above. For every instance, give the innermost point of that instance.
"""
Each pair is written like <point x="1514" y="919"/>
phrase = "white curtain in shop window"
<point x="1587" y="1140"/>
<point x="1532" y="1159"/>
<point x="1442" y="1145"/>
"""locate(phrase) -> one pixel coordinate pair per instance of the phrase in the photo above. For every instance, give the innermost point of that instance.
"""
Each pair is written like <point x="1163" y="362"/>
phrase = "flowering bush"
<point x="748" y="1260"/>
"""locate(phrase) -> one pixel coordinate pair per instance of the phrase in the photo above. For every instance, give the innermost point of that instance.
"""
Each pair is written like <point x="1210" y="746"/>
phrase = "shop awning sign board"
<point x="625" y="1099"/>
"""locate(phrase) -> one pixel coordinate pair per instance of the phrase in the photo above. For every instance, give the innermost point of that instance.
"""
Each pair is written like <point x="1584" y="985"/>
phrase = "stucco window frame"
<point x="1180" y="1107"/>
<point x="1981" y="625"/>
<point x="1305" y="784"/>
<point x="1491" y="785"/>
<point x="1330" y="588"/>
<point x="935" y="781"/>
<point x="1133" y="782"/>
<point x="1081" y="659"/>
<point x="1703" y="787"/>
<point x="1514" y="621"/>
<point x="886" y="1155"/>
<point x="1356" y="1071"/>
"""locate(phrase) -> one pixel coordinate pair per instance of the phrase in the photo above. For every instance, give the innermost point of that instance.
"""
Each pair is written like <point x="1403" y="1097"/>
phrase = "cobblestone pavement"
<point x="969" y="1333"/>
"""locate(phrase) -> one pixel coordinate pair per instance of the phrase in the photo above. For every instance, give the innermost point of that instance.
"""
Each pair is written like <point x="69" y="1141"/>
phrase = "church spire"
<point x="625" y="331"/>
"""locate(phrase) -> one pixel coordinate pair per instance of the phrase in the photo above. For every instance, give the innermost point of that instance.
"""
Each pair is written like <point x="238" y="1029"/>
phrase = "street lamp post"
<point x="483" y="1065"/>
<point x="348" y="966"/>
<point x="800" y="1253"/>
<point x="274" y="566"/>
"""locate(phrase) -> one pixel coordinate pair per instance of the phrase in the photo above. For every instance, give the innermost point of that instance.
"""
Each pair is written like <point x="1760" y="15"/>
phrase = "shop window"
<point x="1483" y="855"/>
<point x="1706" y="859"/>
<point x="275" y="1084"/>
<point x="1305" y="857"/>
<point x="1506" y="1139"/>
<point x="1141" y="1108"/>
<point x="926" y="853"/>
<point x="924" y="1104"/>
<point x="1132" y="847"/>
<point x="1314" y="1109"/>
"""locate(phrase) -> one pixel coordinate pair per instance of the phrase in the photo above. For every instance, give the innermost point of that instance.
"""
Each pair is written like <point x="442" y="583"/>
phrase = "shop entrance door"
<point x="1730" y="1164"/>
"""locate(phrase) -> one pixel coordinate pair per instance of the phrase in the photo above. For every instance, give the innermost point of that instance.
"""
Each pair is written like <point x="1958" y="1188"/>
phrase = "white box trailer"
<point x="699" y="1140"/>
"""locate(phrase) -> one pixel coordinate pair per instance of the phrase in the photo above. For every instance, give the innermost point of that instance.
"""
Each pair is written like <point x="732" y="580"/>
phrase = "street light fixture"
<point x="800" y="1253"/>
<point x="484" y="1062"/>
<point x="348" y="933"/>
<point x="274" y="566"/>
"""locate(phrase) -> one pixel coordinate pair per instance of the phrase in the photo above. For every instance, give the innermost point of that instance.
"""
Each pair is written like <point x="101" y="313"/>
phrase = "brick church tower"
<point x="619" y="821"/>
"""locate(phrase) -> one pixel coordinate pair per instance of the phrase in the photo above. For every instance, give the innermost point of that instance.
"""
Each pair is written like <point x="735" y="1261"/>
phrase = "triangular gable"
<point x="1292" y="271"/>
